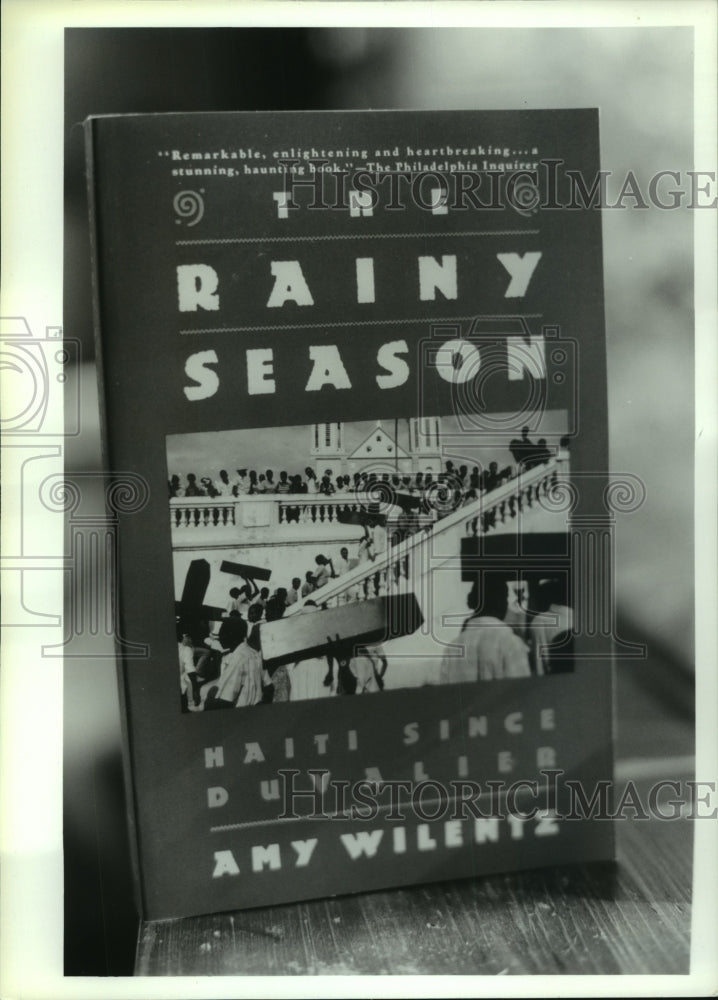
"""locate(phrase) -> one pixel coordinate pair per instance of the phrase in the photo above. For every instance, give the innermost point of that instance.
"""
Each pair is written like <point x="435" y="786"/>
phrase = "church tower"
<point x="327" y="449"/>
<point x="425" y="444"/>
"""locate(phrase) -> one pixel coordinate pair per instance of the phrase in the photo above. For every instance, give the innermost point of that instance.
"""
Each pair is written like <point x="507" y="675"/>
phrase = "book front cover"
<point x="357" y="361"/>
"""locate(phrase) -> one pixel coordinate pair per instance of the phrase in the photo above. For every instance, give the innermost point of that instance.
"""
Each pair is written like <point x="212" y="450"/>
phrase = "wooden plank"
<point x="196" y="582"/>
<point x="191" y="605"/>
<point x="245" y="570"/>
<point x="313" y="632"/>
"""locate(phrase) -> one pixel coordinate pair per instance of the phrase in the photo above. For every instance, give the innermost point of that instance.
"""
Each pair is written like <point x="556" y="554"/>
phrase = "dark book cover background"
<point x="140" y="241"/>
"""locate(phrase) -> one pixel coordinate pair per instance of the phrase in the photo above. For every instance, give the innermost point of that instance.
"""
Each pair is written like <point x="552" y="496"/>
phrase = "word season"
<point x="456" y="361"/>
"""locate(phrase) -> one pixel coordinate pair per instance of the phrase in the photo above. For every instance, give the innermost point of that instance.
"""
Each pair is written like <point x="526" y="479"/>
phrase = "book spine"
<point x="91" y="167"/>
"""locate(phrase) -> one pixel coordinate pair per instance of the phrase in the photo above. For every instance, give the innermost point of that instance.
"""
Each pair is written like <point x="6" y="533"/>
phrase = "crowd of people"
<point x="464" y="483"/>
<point x="214" y="662"/>
<point x="225" y="668"/>
<point x="250" y="483"/>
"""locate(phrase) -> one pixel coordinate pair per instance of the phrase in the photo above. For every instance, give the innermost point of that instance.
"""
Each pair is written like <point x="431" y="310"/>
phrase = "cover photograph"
<point x="353" y="394"/>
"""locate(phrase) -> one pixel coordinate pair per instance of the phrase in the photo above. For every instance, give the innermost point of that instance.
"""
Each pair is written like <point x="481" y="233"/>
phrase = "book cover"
<point x="354" y="399"/>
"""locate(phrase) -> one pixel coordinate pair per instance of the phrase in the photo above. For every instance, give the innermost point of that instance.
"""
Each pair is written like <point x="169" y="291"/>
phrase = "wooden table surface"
<point x="632" y="916"/>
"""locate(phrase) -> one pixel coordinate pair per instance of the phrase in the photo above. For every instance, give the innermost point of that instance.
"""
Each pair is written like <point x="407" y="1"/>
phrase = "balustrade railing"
<point x="511" y="498"/>
<point x="315" y="510"/>
<point x="267" y="511"/>
<point x="400" y="567"/>
<point x="202" y="512"/>
<point x="395" y="570"/>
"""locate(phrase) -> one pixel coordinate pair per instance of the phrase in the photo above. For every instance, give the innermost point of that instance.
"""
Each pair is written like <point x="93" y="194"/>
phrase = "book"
<point x="353" y="388"/>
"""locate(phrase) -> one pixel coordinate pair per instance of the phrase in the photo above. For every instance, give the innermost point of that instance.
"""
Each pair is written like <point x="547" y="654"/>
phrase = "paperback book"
<point x="353" y="382"/>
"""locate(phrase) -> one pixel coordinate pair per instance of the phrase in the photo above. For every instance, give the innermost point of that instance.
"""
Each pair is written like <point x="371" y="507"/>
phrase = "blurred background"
<point x="641" y="79"/>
